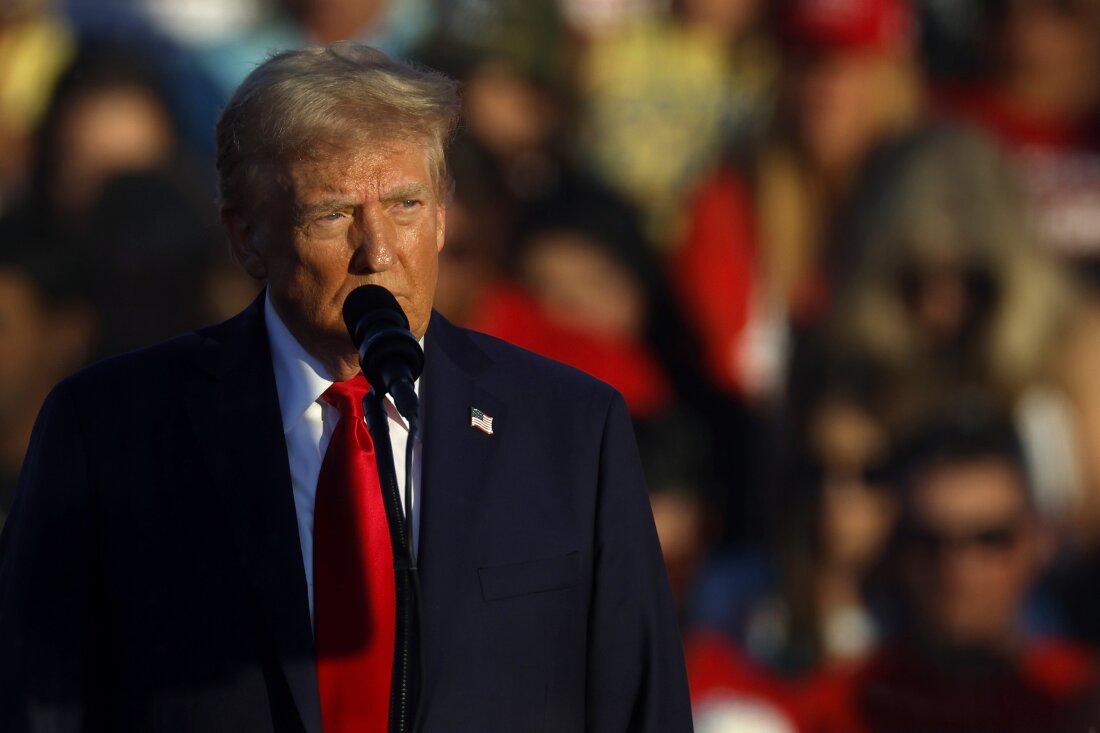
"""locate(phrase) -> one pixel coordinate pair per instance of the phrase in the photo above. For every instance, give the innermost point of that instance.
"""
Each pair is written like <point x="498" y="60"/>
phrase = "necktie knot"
<point x="347" y="396"/>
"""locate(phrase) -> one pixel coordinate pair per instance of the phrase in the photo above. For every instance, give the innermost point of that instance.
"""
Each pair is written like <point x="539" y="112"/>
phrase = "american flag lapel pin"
<point x="481" y="421"/>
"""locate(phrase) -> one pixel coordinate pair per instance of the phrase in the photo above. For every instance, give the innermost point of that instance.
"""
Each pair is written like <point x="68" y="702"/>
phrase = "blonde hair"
<point x="793" y="201"/>
<point x="309" y="103"/>
<point x="951" y="196"/>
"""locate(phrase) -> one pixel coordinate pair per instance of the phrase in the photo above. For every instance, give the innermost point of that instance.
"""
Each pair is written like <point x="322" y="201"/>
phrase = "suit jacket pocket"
<point x="532" y="576"/>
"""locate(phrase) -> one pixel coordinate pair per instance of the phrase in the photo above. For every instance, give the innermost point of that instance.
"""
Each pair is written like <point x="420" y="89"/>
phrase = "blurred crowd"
<point x="842" y="258"/>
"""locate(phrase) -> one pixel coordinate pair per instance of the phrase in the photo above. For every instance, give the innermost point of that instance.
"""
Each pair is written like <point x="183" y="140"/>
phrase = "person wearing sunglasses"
<point x="968" y="550"/>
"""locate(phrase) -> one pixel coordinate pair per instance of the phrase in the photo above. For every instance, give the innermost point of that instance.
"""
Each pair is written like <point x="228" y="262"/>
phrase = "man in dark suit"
<point x="159" y="570"/>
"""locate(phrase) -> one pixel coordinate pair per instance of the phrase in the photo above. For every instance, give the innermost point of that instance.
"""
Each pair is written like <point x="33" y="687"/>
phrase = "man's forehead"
<point x="971" y="490"/>
<point x="361" y="170"/>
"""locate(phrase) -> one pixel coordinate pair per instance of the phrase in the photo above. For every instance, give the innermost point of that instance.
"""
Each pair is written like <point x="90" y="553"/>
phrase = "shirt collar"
<point x="300" y="379"/>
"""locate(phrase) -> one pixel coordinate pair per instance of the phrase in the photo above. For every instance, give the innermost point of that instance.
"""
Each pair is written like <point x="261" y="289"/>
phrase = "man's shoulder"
<point x="159" y="366"/>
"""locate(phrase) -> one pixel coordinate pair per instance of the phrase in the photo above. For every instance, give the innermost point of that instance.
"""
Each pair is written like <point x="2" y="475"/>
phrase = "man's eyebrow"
<point x="325" y="205"/>
<point x="406" y="191"/>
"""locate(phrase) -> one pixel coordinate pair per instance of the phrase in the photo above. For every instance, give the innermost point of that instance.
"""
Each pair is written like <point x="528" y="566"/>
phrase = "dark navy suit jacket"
<point x="151" y="577"/>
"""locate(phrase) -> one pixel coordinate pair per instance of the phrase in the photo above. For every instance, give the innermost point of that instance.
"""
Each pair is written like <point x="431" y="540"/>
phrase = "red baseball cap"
<point x="848" y="24"/>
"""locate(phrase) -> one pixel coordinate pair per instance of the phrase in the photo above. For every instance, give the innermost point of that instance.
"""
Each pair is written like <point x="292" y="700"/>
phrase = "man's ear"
<point x="244" y="243"/>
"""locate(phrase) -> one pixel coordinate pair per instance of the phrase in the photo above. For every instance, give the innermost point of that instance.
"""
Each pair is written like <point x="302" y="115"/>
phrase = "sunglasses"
<point x="1074" y="8"/>
<point x="934" y="541"/>
<point x="978" y="283"/>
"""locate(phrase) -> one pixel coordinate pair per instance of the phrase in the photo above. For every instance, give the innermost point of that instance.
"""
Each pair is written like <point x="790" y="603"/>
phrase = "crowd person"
<point x="946" y="291"/>
<point x="677" y="458"/>
<point x="190" y="93"/>
<point x="161" y="265"/>
<point x="35" y="46"/>
<point x="479" y="237"/>
<point x="766" y="621"/>
<point x="662" y="95"/>
<point x="107" y="116"/>
<point x="47" y="330"/>
<point x="1040" y="96"/>
<point x="198" y="541"/>
<point x="582" y="266"/>
<point x="108" y="119"/>
<point x="395" y="26"/>
<point x="969" y="548"/>
<point x="757" y="251"/>
<point x="512" y="57"/>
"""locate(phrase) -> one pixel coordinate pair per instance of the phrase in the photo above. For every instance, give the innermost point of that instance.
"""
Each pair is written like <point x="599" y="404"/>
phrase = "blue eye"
<point x="409" y="203"/>
<point x="332" y="216"/>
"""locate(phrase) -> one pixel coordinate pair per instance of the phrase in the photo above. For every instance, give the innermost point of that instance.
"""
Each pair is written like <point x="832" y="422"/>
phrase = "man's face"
<point x="368" y="216"/>
<point x="971" y="552"/>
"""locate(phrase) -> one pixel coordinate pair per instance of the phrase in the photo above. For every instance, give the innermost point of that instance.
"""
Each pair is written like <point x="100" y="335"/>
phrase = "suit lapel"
<point x="457" y="457"/>
<point x="236" y="417"/>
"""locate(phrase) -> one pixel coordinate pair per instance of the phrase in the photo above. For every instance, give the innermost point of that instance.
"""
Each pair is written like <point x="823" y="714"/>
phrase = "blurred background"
<point x="842" y="258"/>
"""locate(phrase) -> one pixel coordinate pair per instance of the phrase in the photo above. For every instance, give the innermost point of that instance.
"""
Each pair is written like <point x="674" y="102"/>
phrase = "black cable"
<point x="410" y="444"/>
<point x="406" y="583"/>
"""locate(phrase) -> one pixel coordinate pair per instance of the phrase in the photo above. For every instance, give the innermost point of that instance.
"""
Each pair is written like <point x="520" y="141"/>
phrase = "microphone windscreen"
<point x="372" y="300"/>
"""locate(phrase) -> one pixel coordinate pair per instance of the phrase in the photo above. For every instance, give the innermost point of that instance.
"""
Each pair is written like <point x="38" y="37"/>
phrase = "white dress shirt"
<point x="308" y="422"/>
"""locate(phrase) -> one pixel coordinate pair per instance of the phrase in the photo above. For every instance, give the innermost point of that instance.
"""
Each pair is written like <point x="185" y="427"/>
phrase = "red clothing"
<point x="994" y="113"/>
<point x="1051" y="687"/>
<point x="713" y="273"/>
<point x="870" y="25"/>
<point x="507" y="312"/>
<point x="721" y="676"/>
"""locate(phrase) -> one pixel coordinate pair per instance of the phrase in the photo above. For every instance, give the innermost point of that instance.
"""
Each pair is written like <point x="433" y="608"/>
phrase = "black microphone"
<point x="390" y="355"/>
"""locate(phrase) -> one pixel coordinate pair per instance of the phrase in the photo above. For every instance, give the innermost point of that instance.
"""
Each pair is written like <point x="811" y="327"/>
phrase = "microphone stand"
<point x="404" y="688"/>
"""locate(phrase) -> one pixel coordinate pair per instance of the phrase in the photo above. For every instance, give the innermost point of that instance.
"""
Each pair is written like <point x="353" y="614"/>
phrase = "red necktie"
<point x="353" y="582"/>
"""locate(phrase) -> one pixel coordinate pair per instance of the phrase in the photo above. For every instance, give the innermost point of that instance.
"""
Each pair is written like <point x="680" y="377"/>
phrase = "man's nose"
<point x="373" y="248"/>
